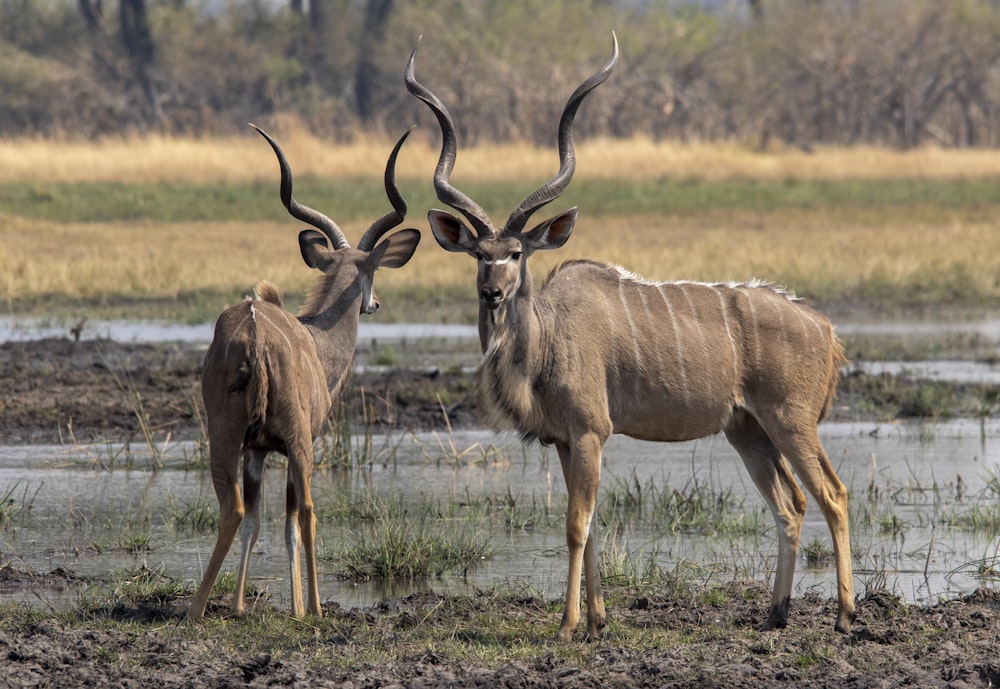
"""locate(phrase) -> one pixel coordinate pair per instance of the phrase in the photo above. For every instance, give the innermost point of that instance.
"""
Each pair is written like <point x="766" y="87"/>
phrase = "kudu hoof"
<point x="844" y="622"/>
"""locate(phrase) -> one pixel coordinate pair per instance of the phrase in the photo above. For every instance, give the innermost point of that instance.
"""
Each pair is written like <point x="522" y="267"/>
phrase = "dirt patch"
<point x="14" y="579"/>
<point x="61" y="391"/>
<point x="58" y="391"/>
<point x="427" y="640"/>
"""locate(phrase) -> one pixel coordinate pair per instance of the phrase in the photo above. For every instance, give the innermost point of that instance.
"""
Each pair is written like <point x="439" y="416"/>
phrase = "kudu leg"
<point x="225" y="458"/>
<point x="596" y="614"/>
<point x="300" y="529"/>
<point x="253" y="471"/>
<point x="804" y="451"/>
<point x="582" y="472"/>
<point x="293" y="539"/>
<point x="776" y="484"/>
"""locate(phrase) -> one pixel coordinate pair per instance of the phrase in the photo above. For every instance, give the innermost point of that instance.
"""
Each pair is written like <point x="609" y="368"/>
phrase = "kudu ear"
<point x="450" y="232"/>
<point x="396" y="249"/>
<point x="315" y="250"/>
<point x="551" y="233"/>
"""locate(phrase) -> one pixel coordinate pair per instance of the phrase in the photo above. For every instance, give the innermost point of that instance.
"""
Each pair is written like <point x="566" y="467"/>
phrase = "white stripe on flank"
<point x="311" y="362"/>
<point x="242" y="323"/>
<point x="677" y="342"/>
<point x="729" y="333"/>
<point x="709" y="364"/>
<point x="754" y="332"/>
<point x="782" y="331"/>
<point x="635" y="337"/>
<point x="814" y="321"/>
<point x="804" y="315"/>
<point x="651" y="318"/>
<point x="280" y="331"/>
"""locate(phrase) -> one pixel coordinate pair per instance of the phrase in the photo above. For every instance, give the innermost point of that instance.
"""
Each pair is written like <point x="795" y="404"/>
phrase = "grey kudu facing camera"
<point x="599" y="350"/>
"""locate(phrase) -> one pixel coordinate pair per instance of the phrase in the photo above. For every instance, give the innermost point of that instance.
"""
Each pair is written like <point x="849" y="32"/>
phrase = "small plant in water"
<point x="982" y="518"/>
<point x="144" y="585"/>
<point x="698" y="507"/>
<point x="817" y="553"/>
<point x="128" y="541"/>
<point x="621" y="568"/>
<point x="398" y="548"/>
<point x="385" y="356"/>
<point x="333" y="448"/>
<point x="198" y="515"/>
<point x="157" y="451"/>
<point x="449" y="451"/>
<point x="13" y="509"/>
<point x="199" y="457"/>
<point x="891" y="524"/>
<point x="928" y="431"/>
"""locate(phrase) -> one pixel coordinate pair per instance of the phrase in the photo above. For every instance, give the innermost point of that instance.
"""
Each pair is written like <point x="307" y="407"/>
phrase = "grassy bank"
<point x="153" y="229"/>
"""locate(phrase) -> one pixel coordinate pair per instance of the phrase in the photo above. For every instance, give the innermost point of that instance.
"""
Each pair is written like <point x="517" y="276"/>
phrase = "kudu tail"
<point x="259" y="381"/>
<point x="253" y="379"/>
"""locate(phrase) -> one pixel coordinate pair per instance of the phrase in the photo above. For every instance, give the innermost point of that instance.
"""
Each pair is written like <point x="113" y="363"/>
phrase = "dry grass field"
<point x="822" y="229"/>
<point x="159" y="159"/>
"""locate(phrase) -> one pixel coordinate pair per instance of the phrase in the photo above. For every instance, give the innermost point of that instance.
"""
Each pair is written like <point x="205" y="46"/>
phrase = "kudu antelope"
<point x="599" y="350"/>
<point x="270" y="379"/>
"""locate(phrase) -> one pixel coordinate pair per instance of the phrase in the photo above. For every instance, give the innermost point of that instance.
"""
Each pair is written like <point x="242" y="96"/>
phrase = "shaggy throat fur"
<point x="505" y="381"/>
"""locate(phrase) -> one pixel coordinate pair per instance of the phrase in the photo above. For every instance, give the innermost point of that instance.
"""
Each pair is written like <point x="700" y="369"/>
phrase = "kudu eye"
<point x="516" y="255"/>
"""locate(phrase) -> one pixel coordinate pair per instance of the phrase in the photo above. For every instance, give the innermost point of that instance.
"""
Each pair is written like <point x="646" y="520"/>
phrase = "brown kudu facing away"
<point x="599" y="350"/>
<point x="270" y="380"/>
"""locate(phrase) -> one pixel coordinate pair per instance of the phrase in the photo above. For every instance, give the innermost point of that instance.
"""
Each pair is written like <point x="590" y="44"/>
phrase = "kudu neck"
<point x="335" y="332"/>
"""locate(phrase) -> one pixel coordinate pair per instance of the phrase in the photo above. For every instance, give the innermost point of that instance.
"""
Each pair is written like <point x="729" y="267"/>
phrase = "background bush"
<point x="898" y="73"/>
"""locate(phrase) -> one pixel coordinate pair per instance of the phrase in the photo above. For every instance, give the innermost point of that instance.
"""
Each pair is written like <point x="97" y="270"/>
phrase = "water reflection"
<point x="912" y="488"/>
<point x="27" y="329"/>
<point x="31" y="328"/>
<point x="953" y="371"/>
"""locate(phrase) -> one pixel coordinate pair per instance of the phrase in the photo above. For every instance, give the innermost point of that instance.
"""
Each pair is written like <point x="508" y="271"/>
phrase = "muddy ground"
<point x="427" y="640"/>
<point x="61" y="391"/>
<point x="64" y="391"/>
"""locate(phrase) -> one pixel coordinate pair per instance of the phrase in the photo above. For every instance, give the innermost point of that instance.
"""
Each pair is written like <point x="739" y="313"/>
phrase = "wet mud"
<point x="427" y="640"/>
<point x="60" y="391"/>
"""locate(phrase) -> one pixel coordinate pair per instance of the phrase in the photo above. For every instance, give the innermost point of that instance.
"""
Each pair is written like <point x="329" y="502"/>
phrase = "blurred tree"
<point x="101" y="48"/>
<point x="138" y="47"/>
<point x="372" y="34"/>
<point x="318" y="17"/>
<point x="898" y="73"/>
<point x="138" y="40"/>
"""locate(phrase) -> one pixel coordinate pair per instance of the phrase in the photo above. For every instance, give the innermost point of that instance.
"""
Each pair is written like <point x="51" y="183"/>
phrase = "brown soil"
<point x="58" y="390"/>
<point x="427" y="640"/>
<point x="63" y="391"/>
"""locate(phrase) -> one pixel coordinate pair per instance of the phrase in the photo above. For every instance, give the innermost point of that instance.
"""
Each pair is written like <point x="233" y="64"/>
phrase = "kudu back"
<point x="599" y="350"/>
<point x="270" y="379"/>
